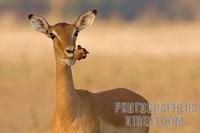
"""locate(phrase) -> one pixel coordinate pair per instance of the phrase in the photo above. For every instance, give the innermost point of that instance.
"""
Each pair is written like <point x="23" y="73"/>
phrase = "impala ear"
<point x="85" y="20"/>
<point x="39" y="24"/>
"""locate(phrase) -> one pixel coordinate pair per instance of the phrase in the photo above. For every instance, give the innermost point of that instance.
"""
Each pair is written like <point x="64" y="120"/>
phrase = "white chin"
<point x="70" y="62"/>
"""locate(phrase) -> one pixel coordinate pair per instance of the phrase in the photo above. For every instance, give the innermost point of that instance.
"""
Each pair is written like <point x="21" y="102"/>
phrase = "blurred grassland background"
<point x="149" y="46"/>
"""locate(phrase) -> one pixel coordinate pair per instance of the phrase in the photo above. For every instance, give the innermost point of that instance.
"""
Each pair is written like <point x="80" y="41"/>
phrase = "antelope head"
<point x="64" y="35"/>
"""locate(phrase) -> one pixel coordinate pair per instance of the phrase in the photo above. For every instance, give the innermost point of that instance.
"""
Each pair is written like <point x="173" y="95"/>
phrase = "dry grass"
<point x="161" y="63"/>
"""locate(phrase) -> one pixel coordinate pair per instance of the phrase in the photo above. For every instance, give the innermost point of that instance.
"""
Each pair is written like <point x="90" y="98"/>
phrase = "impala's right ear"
<point x="85" y="20"/>
<point x="39" y="24"/>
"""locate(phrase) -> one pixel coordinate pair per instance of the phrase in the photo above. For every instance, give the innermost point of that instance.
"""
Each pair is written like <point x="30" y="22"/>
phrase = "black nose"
<point x="70" y="50"/>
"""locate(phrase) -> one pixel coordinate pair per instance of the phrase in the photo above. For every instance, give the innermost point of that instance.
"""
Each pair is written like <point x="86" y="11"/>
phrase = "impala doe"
<point x="81" y="111"/>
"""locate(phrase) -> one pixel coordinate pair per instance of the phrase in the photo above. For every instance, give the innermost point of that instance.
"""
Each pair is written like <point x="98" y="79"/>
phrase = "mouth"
<point x="70" y="55"/>
<point x="79" y="54"/>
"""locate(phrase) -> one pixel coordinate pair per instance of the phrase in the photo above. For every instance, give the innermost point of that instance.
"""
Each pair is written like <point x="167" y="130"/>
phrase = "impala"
<point x="81" y="111"/>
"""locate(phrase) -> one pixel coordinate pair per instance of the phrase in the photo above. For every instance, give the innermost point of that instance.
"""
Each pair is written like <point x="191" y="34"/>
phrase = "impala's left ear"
<point x="40" y="24"/>
<point x="85" y="20"/>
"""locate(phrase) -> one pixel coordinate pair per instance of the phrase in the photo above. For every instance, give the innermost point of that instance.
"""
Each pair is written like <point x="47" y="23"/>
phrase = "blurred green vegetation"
<point x="125" y="9"/>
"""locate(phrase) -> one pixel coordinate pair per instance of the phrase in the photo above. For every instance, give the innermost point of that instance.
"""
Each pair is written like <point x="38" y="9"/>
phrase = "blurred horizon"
<point x="129" y="10"/>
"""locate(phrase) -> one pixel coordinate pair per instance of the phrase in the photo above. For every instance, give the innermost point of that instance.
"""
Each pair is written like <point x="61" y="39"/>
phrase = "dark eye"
<point x="76" y="33"/>
<point x="52" y="36"/>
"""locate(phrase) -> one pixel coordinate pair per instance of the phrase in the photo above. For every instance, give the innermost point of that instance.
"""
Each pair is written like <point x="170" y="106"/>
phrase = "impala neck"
<point x="65" y="92"/>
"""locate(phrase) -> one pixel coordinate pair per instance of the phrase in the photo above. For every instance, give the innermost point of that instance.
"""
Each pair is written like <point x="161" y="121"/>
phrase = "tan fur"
<point x="80" y="111"/>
